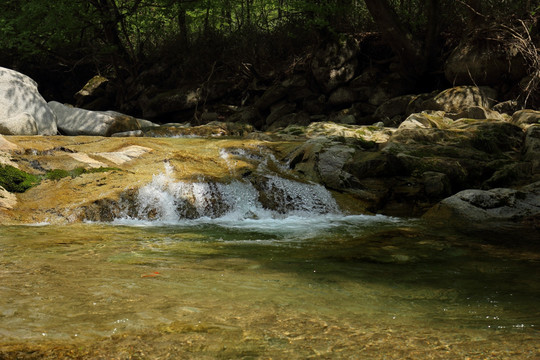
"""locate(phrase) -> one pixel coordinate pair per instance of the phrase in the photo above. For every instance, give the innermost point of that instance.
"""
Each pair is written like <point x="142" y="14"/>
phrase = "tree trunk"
<point x="248" y="12"/>
<point x="475" y="13"/>
<point x="433" y="28"/>
<point x="207" y="19"/>
<point x="402" y="42"/>
<point x="121" y="58"/>
<point x="182" y="26"/>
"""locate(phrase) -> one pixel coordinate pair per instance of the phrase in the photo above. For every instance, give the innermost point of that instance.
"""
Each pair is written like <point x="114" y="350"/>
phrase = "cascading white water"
<point x="167" y="200"/>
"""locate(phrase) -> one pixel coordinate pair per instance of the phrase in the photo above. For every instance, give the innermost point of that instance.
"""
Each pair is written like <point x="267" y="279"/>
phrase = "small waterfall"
<point x="264" y="194"/>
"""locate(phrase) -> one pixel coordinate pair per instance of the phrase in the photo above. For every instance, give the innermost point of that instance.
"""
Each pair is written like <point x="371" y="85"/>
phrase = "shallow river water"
<point x="322" y="286"/>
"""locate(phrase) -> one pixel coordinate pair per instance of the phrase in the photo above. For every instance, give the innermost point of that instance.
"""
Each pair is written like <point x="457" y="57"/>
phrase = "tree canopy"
<point x="121" y="36"/>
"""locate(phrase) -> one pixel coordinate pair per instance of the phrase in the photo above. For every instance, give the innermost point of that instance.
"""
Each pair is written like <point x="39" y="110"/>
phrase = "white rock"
<point x="125" y="154"/>
<point x="19" y="94"/>
<point x="20" y="124"/>
<point x="75" y="121"/>
<point x="7" y="199"/>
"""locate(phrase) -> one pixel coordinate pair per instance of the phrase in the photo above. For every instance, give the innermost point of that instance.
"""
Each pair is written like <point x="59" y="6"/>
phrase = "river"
<point x="210" y="270"/>
<point x="326" y="286"/>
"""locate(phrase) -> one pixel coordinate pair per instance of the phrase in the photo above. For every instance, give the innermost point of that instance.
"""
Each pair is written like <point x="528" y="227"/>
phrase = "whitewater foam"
<point x="265" y="195"/>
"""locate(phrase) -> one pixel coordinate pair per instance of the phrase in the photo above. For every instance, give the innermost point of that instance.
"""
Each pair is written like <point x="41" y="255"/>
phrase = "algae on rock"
<point x="15" y="180"/>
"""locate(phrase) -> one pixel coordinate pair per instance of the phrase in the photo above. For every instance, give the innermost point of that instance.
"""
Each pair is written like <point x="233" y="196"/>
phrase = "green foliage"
<point x="134" y="29"/>
<point x="121" y="37"/>
<point x="15" y="180"/>
<point x="38" y="27"/>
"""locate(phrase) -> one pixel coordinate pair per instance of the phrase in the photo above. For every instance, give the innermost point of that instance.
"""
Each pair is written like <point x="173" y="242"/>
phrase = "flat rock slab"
<point x="124" y="155"/>
<point x="128" y="164"/>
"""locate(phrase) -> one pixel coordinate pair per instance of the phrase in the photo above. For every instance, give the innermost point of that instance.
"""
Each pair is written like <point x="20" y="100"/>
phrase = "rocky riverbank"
<point x="453" y="155"/>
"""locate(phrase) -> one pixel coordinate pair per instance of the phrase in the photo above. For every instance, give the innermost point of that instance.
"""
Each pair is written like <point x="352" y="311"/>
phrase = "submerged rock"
<point x="494" y="210"/>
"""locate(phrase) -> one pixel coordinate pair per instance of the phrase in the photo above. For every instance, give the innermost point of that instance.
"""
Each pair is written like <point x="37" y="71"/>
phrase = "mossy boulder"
<point x="15" y="180"/>
<point x="526" y="118"/>
<point x="57" y="174"/>
<point x="467" y="151"/>
<point x="459" y="98"/>
<point x="426" y="119"/>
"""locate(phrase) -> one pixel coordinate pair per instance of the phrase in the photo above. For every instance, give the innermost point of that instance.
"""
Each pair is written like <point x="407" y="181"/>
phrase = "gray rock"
<point x="331" y="163"/>
<point x="483" y="209"/>
<point x="19" y="94"/>
<point x="457" y="99"/>
<point x="436" y="184"/>
<point x="525" y="118"/>
<point x="507" y="107"/>
<point x="334" y="64"/>
<point x="278" y="111"/>
<point x="477" y="112"/>
<point x="294" y="119"/>
<point x="134" y="133"/>
<point x="379" y="96"/>
<point x="426" y="120"/>
<point x="146" y="123"/>
<point x="394" y="107"/>
<point x="170" y="101"/>
<point x="75" y="121"/>
<point x="531" y="148"/>
<point x="93" y="90"/>
<point x="342" y="96"/>
<point x="468" y="151"/>
<point x="347" y="120"/>
<point x="367" y="78"/>
<point x="270" y="97"/>
<point x="314" y="104"/>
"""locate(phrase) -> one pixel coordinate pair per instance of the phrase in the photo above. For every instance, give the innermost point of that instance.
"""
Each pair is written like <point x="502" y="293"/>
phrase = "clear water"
<point x="324" y="286"/>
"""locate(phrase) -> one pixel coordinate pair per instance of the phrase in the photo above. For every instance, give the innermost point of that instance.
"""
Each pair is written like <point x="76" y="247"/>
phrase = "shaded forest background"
<point x="138" y="44"/>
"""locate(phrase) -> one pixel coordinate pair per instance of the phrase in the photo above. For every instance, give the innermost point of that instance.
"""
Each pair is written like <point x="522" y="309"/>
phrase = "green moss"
<point x="15" y="180"/>
<point x="100" y="170"/>
<point x="58" y="174"/>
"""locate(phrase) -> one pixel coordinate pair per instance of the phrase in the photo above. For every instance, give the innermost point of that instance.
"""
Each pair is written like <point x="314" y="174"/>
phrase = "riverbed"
<point x="326" y="286"/>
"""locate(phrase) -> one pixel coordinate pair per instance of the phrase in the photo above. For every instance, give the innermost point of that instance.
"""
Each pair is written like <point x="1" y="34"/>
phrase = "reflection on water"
<point x="319" y="287"/>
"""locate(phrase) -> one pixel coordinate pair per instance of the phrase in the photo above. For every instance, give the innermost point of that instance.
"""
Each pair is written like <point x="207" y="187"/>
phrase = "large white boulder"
<point x="20" y="101"/>
<point x="20" y="124"/>
<point x="75" y="121"/>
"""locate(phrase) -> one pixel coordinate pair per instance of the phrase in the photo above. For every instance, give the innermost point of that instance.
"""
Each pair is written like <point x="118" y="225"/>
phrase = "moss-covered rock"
<point x="459" y="98"/>
<point x="57" y="174"/>
<point x="15" y="180"/>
